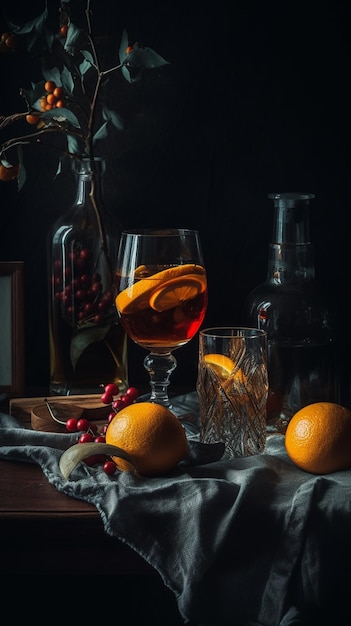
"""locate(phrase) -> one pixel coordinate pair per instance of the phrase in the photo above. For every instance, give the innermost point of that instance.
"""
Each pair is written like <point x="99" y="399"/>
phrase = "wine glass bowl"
<point x="161" y="297"/>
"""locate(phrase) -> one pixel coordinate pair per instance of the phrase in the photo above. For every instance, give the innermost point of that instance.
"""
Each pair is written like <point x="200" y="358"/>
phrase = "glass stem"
<point x="160" y="367"/>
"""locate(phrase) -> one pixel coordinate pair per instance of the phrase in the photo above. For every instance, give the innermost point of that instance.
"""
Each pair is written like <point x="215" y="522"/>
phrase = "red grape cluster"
<point x="79" y="290"/>
<point x="90" y="430"/>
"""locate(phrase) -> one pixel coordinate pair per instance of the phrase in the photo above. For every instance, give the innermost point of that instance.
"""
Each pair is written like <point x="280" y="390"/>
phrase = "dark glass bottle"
<point x="297" y="316"/>
<point x="87" y="343"/>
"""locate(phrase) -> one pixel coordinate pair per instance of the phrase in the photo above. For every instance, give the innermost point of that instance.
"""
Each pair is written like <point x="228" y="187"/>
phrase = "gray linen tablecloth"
<point x="251" y="541"/>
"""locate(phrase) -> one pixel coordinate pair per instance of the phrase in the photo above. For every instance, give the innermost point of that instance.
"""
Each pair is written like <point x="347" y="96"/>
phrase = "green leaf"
<point x="61" y="115"/>
<point x="83" y="338"/>
<point x="33" y="95"/>
<point x="52" y="74"/>
<point x="127" y="76"/>
<point x="101" y="133"/>
<point x="37" y="24"/>
<point x="111" y="116"/>
<point x="67" y="81"/>
<point x="150" y="58"/>
<point x="73" y="35"/>
<point x="88" y="57"/>
<point x="138" y="60"/>
<point x="84" y="67"/>
<point x="22" y="177"/>
<point x="65" y="166"/>
<point x="35" y="32"/>
<point x="73" y="145"/>
<point x="123" y="46"/>
<point x="144" y="58"/>
<point x="112" y="119"/>
<point x="6" y="163"/>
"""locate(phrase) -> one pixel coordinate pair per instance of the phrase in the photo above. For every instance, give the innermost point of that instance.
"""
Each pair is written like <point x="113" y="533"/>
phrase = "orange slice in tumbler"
<point x="137" y="296"/>
<point x="221" y="364"/>
<point x="176" y="291"/>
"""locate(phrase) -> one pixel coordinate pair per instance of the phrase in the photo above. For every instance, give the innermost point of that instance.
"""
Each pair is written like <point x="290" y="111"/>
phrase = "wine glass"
<point x="161" y="297"/>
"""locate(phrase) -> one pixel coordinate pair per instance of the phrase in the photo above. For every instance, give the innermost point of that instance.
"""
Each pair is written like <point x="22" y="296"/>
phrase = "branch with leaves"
<point x="72" y="70"/>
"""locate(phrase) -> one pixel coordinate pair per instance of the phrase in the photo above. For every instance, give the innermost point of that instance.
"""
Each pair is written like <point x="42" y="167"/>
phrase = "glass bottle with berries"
<point x="87" y="344"/>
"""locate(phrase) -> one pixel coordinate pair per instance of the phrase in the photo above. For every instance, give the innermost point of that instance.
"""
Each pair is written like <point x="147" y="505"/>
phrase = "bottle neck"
<point x="290" y="263"/>
<point x="88" y="182"/>
<point x="291" y="254"/>
<point x="291" y="218"/>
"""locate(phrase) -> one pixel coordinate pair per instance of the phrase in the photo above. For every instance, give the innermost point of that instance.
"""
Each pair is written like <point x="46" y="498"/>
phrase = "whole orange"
<point x="151" y="434"/>
<point x="318" y="438"/>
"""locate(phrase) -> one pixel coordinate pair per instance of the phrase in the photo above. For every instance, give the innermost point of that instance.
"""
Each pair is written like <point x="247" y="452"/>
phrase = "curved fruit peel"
<point x="80" y="451"/>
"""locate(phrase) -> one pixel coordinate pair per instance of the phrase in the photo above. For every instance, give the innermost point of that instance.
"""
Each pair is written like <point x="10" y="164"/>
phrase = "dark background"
<point x="255" y="99"/>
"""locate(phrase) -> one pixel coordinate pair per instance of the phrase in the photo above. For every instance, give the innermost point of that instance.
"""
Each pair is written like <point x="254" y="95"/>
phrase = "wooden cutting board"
<point x="33" y="412"/>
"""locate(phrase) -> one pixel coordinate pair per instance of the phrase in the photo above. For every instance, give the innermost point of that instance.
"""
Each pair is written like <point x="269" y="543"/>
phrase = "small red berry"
<point x="126" y="399"/>
<point x="112" y="388"/>
<point x="118" y="404"/>
<point x="96" y="287"/>
<point x="109" y="467"/>
<point x="91" y="460"/>
<point x="106" y="398"/>
<point x="85" y="254"/>
<point x="83" y="424"/>
<point x="99" y="439"/>
<point x="95" y="459"/>
<point x="86" y="438"/>
<point x="71" y="425"/>
<point x="132" y="393"/>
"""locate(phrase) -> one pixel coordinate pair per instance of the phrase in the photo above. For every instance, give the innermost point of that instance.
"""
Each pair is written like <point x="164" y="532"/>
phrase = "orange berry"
<point x="63" y="30"/>
<point x="48" y="107"/>
<point x="32" y="118"/>
<point x="49" y="86"/>
<point x="8" y="173"/>
<point x="318" y="438"/>
<point x="6" y="36"/>
<point x="60" y="104"/>
<point x="43" y="103"/>
<point x="51" y="99"/>
<point x="129" y="49"/>
<point x="10" y="41"/>
<point x="7" y="42"/>
<point x="58" y="92"/>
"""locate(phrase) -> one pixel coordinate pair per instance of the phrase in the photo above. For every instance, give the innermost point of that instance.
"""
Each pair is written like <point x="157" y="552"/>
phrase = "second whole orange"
<point x="151" y="434"/>
<point x="318" y="438"/>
